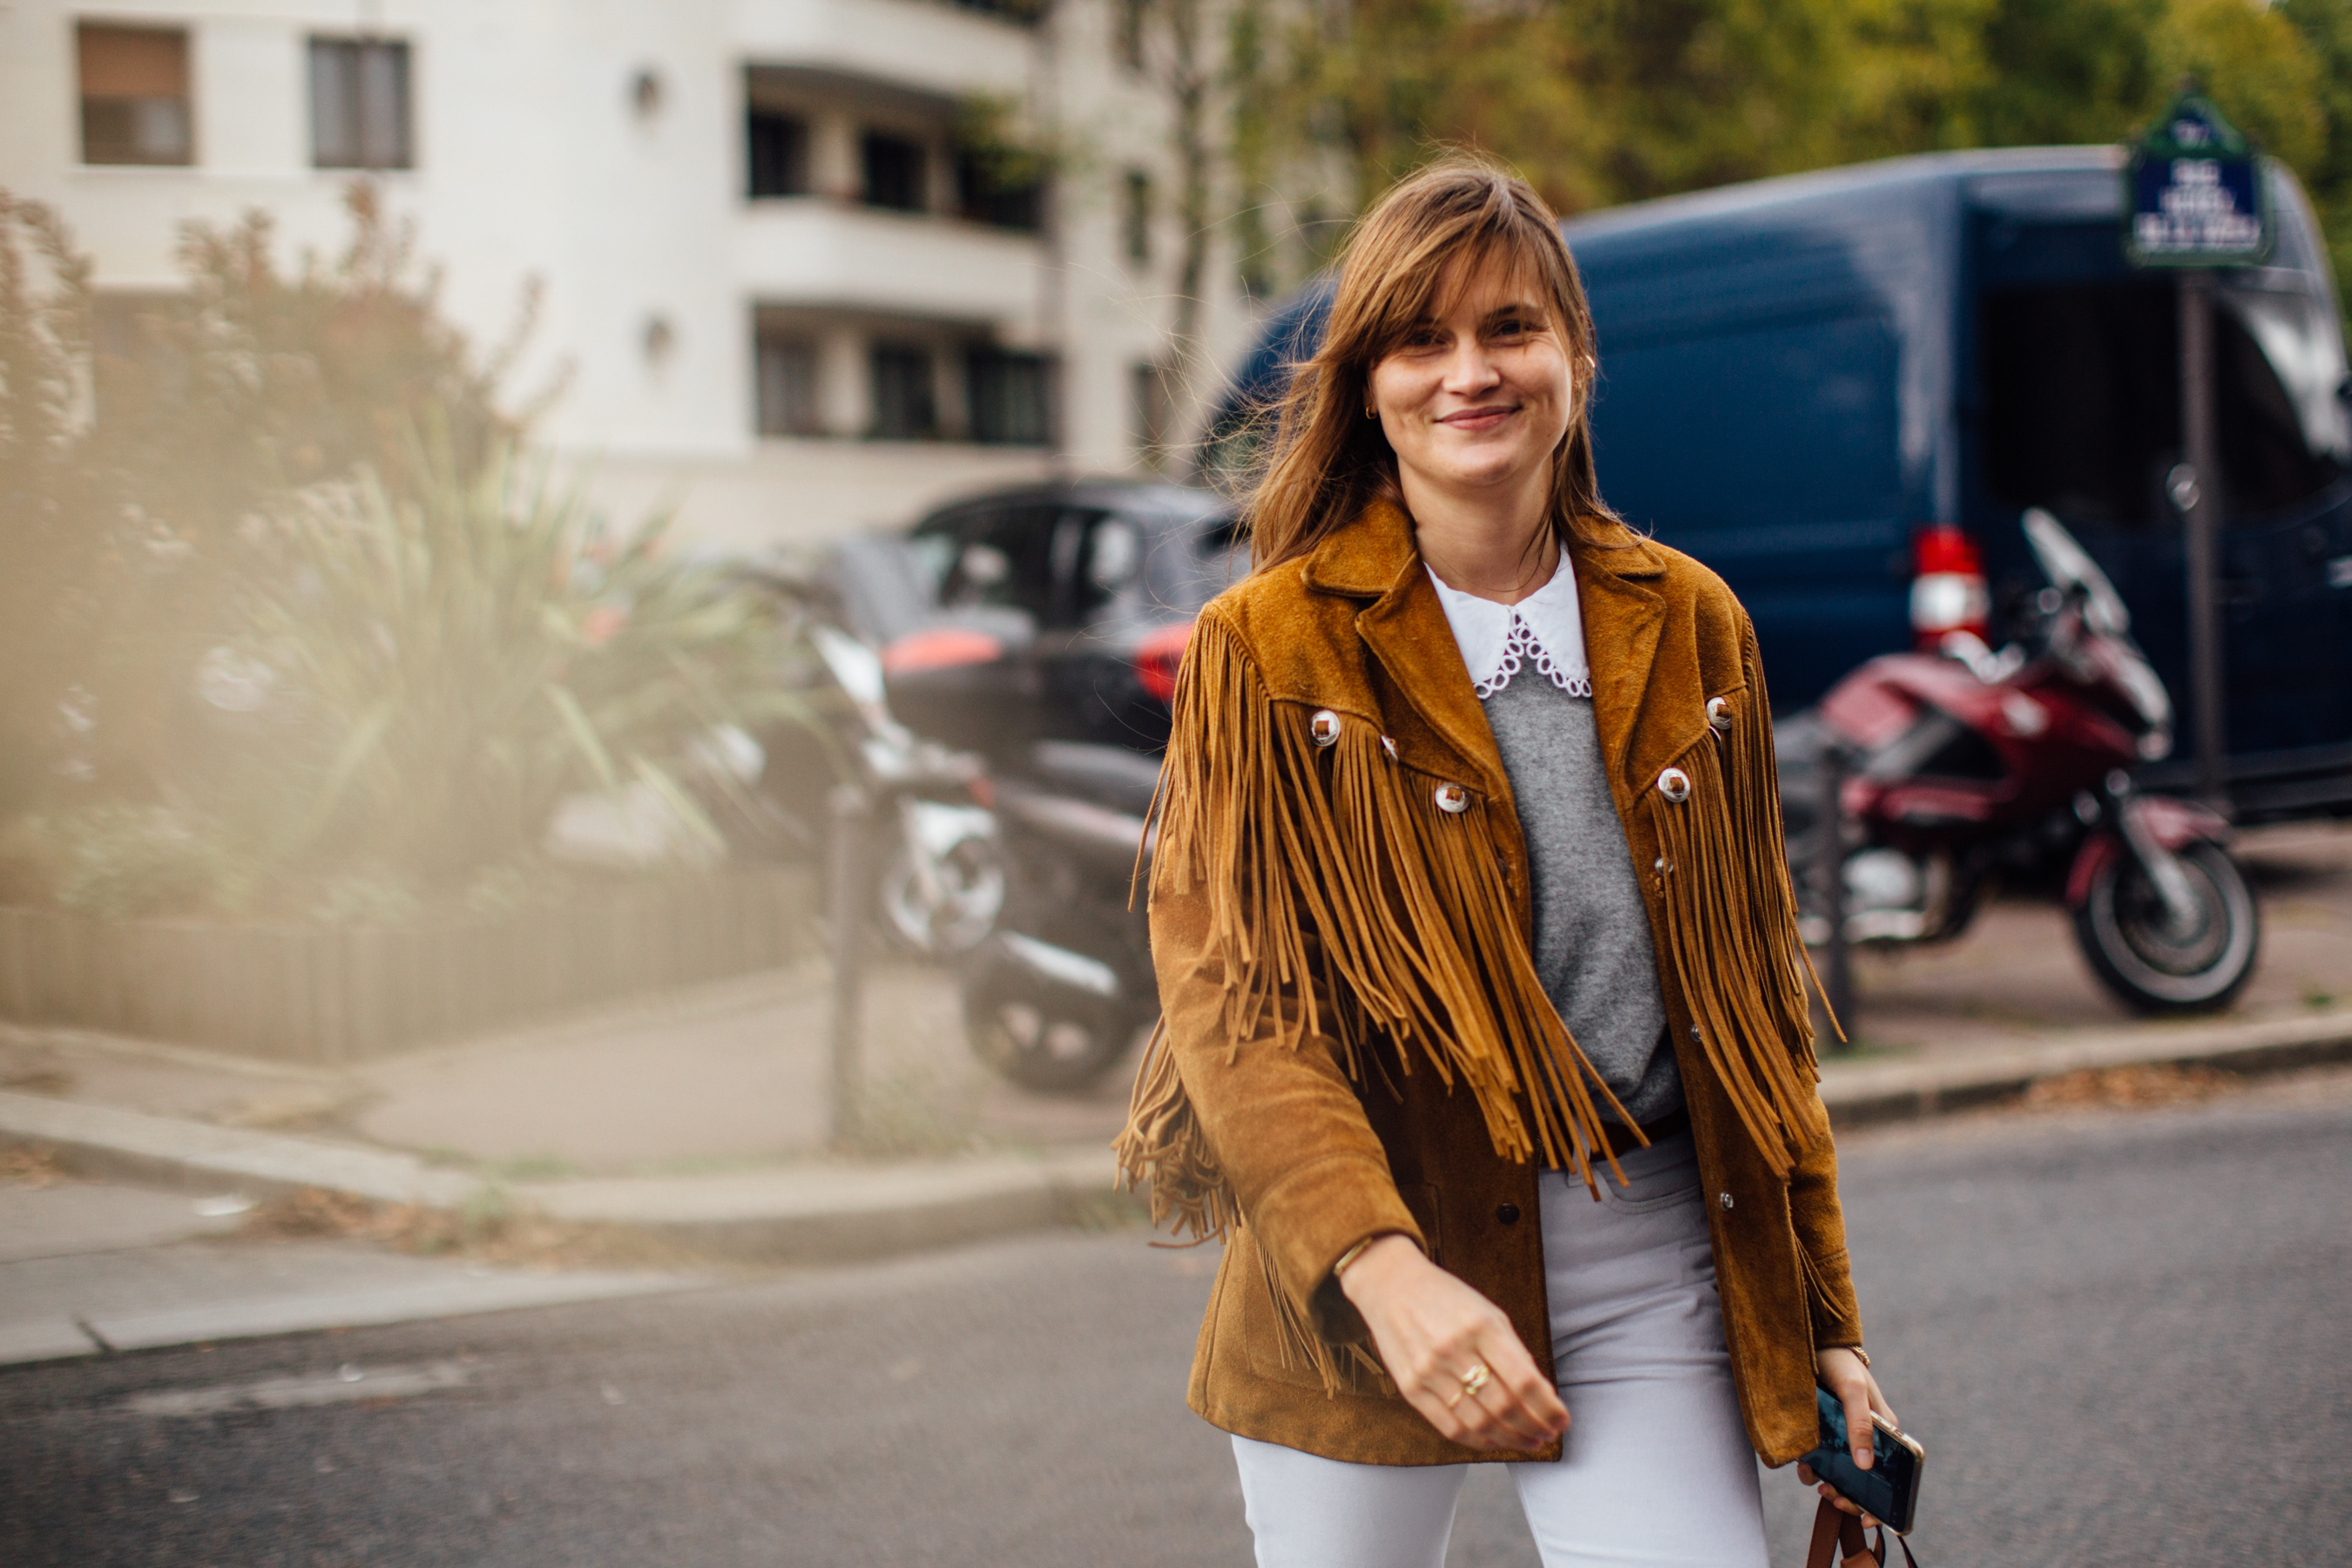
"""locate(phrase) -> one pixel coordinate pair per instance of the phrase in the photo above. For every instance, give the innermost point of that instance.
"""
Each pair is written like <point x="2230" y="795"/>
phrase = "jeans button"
<point x="1508" y="1212"/>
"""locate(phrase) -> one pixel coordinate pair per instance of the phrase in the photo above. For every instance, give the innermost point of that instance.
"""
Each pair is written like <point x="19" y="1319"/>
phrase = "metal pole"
<point x="1829" y="859"/>
<point x="2200" y="504"/>
<point x="852" y="895"/>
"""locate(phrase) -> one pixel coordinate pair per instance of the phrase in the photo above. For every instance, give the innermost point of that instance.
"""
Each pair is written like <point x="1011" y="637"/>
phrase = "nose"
<point x="1470" y="369"/>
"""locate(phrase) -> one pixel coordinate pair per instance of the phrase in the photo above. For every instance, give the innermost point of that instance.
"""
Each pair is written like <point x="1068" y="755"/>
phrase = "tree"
<point x="1601" y="102"/>
<point x="2326" y="28"/>
<point x="47" y="537"/>
<point x="133" y="464"/>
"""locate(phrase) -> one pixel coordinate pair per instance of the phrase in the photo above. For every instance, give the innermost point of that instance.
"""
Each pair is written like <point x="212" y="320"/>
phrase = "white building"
<point x="785" y="292"/>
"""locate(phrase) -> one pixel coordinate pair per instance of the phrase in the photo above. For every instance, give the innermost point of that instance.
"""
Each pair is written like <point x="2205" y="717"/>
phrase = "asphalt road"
<point x="2123" y="1337"/>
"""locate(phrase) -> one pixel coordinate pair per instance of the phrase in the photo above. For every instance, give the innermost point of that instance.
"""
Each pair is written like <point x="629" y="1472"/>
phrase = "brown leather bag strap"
<point x="1835" y="1529"/>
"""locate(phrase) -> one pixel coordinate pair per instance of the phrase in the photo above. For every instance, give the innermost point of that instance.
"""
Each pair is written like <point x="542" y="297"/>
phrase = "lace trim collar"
<point x="1546" y="628"/>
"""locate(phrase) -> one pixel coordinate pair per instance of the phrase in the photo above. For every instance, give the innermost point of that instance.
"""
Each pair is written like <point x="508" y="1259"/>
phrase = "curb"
<point x="845" y="1214"/>
<point x="811" y="1214"/>
<point x="160" y="1151"/>
<point x="1872" y="1094"/>
<point x="828" y="1213"/>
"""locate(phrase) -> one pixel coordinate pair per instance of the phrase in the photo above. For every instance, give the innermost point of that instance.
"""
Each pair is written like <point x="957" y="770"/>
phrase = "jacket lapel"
<point x="1624" y="620"/>
<point x="1405" y="629"/>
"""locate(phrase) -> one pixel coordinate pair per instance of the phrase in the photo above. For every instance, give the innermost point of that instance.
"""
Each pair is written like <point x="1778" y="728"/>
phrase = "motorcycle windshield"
<point x="2070" y="567"/>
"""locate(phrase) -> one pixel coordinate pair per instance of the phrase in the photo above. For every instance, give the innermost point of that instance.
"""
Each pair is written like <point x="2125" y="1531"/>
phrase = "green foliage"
<point x="136" y="453"/>
<point x="291" y="629"/>
<point x="2326" y="24"/>
<point x="1603" y="101"/>
<point x="462" y="657"/>
<point x="257" y="380"/>
<point x="118" y="861"/>
<point x="45" y="495"/>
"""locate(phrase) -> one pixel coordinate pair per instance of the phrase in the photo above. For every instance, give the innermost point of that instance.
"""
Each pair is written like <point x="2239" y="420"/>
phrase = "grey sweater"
<point x="1593" y="947"/>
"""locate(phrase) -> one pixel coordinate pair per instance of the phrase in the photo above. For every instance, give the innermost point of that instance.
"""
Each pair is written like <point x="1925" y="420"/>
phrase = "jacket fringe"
<point x="1344" y="906"/>
<point x="1731" y="932"/>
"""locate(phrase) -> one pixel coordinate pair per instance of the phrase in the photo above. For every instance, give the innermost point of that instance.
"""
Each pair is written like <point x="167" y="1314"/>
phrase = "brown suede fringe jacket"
<point x="1354" y="1039"/>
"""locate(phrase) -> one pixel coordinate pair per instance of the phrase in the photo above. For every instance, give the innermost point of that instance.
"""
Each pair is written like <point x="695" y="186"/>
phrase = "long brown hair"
<point x="1327" y="462"/>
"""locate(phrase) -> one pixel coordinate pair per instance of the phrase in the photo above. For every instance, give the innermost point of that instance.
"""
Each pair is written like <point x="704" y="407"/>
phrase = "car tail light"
<point x="1159" y="656"/>
<point x="1948" y="585"/>
<point x="940" y="647"/>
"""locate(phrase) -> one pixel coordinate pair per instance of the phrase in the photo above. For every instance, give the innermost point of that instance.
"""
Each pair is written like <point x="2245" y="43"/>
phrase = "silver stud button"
<point x="1453" y="799"/>
<point x="1675" y="785"/>
<point x="1324" y="726"/>
<point x="1724" y="1198"/>
<point x="1718" y="715"/>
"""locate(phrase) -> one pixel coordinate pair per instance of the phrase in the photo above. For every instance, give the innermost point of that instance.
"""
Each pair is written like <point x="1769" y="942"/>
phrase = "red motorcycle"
<point x="1964" y="764"/>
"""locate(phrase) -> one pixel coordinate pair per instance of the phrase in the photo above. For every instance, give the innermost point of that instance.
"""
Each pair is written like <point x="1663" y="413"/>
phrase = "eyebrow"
<point x="1516" y="307"/>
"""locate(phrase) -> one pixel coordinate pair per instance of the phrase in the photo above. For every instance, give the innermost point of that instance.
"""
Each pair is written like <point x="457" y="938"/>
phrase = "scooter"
<point x="1957" y="766"/>
<point x="940" y="882"/>
<point x="1059" y="995"/>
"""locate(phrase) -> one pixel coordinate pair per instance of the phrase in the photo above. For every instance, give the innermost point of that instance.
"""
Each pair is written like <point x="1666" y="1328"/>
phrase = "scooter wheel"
<point x="1043" y="1036"/>
<point x="2150" y="966"/>
<point x="971" y="879"/>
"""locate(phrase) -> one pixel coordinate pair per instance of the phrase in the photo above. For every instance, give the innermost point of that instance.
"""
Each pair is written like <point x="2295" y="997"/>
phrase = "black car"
<point x="1054" y="612"/>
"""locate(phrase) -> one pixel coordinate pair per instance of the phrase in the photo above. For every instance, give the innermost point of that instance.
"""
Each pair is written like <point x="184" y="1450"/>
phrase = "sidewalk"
<point x="89" y="1269"/>
<point x="701" y="1118"/>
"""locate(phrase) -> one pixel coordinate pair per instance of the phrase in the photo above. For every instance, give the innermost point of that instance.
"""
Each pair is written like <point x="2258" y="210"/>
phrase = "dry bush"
<point x="491" y="1230"/>
<point x="30" y="1165"/>
<point x="2161" y="1084"/>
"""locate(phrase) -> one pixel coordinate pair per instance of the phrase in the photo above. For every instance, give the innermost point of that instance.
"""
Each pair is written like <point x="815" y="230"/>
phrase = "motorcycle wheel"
<point x="2122" y="929"/>
<point x="1042" y="1035"/>
<point x="972" y="878"/>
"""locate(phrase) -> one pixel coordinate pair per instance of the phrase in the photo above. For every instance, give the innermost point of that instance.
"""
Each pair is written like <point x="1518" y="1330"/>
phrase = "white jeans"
<point x="1657" y="1469"/>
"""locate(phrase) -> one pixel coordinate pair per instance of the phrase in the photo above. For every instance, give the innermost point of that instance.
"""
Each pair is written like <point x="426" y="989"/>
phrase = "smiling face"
<point x="1479" y="393"/>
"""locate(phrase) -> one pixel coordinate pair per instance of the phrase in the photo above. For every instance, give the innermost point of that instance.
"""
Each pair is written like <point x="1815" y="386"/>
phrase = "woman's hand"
<point x="1431" y="1331"/>
<point x="1851" y="1385"/>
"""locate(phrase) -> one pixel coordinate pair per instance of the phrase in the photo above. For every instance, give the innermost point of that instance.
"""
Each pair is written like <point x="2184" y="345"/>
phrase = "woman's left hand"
<point x="1851" y="1383"/>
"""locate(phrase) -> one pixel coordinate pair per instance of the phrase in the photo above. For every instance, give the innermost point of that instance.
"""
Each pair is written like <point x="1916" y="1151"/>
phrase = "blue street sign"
<point x="2194" y="194"/>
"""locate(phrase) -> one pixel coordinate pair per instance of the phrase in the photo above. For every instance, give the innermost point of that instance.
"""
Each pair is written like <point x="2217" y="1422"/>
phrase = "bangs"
<point x="1491" y="247"/>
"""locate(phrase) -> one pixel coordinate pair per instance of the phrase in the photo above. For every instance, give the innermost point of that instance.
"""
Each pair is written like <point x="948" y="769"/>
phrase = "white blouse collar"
<point x="1545" y="628"/>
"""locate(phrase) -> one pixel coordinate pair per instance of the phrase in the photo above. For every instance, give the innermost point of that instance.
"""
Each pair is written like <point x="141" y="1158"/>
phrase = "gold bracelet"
<point x="1355" y="1252"/>
<point x="1860" y="1354"/>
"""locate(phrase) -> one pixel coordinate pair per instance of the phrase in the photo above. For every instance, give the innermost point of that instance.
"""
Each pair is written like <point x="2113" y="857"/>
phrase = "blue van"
<point x="1843" y="390"/>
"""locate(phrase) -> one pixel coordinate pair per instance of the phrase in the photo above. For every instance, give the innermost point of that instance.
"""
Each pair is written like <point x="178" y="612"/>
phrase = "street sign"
<point x="2194" y="197"/>
<point x="2194" y="194"/>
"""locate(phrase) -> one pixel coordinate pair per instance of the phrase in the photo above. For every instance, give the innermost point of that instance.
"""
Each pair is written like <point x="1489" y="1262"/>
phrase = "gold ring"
<point x="1475" y="1379"/>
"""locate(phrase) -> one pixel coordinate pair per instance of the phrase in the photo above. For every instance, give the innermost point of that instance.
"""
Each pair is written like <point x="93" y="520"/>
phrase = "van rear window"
<point x="2082" y="404"/>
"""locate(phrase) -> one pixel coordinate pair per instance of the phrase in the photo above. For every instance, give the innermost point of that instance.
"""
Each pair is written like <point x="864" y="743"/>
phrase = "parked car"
<point x="1844" y="390"/>
<point x="1050" y="613"/>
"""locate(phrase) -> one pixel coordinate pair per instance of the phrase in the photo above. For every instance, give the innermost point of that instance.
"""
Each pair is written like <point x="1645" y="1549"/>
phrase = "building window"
<point x="134" y="95"/>
<point x="1012" y="398"/>
<point x="987" y="195"/>
<point x="1135" y="217"/>
<point x="893" y="168"/>
<point x="1155" y="413"/>
<point x="359" y="104"/>
<point x="787" y="391"/>
<point x="780" y="155"/>
<point x="1022" y="11"/>
<point x="1127" y="32"/>
<point x="906" y="403"/>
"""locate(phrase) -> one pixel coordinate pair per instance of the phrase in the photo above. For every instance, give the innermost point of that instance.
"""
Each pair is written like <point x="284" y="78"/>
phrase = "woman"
<point x="1485" y="1041"/>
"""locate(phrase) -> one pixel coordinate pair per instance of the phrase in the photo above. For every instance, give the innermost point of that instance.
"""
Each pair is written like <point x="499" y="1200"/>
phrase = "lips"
<point x="1477" y="418"/>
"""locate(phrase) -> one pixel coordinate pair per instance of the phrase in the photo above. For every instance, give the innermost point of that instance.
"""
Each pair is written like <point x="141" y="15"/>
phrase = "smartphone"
<point x="1889" y="1490"/>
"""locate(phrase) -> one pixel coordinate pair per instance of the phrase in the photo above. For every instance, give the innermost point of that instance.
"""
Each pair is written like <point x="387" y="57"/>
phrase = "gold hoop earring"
<point x="1371" y="414"/>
